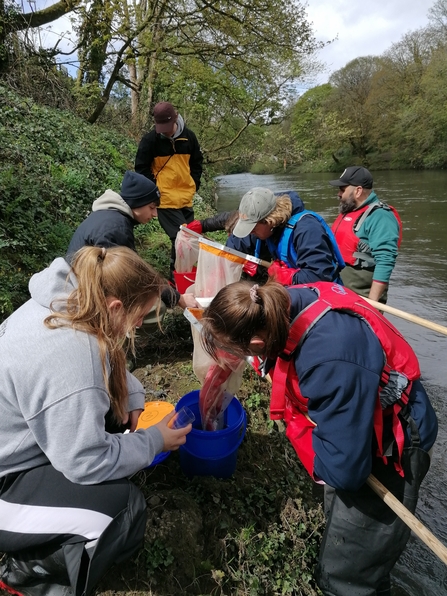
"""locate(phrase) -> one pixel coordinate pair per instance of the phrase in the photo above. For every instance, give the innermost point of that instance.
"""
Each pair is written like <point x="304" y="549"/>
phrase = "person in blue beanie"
<point x="348" y="386"/>
<point x="114" y="216"/>
<point x="112" y="221"/>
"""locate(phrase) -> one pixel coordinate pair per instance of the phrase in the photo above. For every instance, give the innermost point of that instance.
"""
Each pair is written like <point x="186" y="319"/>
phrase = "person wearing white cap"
<point x="277" y="226"/>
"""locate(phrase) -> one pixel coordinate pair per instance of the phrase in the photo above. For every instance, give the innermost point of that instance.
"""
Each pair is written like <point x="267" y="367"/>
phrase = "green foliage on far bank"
<point x="385" y="112"/>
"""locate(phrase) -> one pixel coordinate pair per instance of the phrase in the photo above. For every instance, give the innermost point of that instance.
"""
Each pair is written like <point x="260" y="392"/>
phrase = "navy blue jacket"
<point x="339" y="366"/>
<point x="106" y="228"/>
<point x="312" y="245"/>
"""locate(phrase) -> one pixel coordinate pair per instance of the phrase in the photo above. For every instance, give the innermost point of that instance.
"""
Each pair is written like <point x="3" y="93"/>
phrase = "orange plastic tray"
<point x="154" y="411"/>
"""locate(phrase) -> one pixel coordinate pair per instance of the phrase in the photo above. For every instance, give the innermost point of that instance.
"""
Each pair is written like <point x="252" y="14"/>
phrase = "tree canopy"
<point x="225" y="64"/>
<point x="388" y="110"/>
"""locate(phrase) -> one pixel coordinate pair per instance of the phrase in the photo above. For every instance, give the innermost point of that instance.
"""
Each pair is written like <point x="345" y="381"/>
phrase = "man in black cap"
<point x="170" y="156"/>
<point x="368" y="233"/>
<point x="112" y="222"/>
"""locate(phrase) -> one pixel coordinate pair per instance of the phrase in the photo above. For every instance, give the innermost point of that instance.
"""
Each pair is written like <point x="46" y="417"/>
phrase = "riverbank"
<point x="328" y="163"/>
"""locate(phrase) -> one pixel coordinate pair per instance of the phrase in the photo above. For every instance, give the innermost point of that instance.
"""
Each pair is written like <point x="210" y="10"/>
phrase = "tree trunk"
<point x="106" y="95"/>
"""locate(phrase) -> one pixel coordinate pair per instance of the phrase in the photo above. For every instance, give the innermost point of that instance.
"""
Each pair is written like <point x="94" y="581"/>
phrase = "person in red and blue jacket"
<point x="348" y="386"/>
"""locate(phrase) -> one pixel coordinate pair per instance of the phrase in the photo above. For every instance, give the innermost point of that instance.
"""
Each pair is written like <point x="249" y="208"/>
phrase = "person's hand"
<point x="281" y="273"/>
<point x="188" y="301"/>
<point x="250" y="268"/>
<point x="132" y="417"/>
<point x="172" y="438"/>
<point x="195" y="226"/>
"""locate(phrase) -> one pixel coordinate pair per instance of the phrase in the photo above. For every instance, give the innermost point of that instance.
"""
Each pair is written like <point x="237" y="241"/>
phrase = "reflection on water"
<point x="418" y="286"/>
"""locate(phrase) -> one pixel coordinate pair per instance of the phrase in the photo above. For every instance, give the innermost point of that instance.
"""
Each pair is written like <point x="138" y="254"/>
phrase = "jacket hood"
<point x="297" y="203"/>
<point x="180" y="127"/>
<point x="54" y="282"/>
<point x="112" y="200"/>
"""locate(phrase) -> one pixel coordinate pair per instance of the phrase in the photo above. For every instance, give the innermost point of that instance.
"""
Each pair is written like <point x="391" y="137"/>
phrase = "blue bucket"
<point x="212" y="453"/>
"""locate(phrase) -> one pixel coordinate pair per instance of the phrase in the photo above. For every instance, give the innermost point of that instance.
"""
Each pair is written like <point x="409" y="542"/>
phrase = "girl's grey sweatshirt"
<point x="53" y="399"/>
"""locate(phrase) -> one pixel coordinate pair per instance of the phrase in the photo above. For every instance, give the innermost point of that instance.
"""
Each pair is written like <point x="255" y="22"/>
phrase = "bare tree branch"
<point x="19" y="22"/>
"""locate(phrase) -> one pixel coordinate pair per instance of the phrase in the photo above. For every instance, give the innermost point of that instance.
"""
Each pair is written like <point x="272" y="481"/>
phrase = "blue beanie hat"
<point x="137" y="190"/>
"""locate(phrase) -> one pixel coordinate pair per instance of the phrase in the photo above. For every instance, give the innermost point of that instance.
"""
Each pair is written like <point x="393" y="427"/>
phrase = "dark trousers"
<point x="364" y="538"/>
<point x="171" y="220"/>
<point x="91" y="526"/>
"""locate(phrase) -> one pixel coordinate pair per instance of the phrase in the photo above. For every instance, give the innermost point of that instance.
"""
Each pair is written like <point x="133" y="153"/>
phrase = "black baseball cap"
<point x="354" y="176"/>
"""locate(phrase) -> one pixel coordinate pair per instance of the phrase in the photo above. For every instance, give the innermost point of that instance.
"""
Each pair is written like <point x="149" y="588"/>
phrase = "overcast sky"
<point x="363" y="27"/>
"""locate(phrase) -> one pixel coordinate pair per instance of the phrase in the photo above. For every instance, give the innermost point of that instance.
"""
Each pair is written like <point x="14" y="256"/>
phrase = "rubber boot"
<point x="35" y="573"/>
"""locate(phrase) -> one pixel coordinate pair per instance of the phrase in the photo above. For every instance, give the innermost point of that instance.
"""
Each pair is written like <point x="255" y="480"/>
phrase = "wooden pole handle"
<point x="407" y="316"/>
<point x="403" y="513"/>
<point x="408" y="518"/>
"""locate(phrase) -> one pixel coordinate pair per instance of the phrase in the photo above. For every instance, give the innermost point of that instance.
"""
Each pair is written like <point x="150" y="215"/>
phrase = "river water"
<point x="418" y="286"/>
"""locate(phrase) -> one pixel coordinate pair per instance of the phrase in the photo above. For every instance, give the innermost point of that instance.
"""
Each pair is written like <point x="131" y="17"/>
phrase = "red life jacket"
<point x="347" y="224"/>
<point x="287" y="401"/>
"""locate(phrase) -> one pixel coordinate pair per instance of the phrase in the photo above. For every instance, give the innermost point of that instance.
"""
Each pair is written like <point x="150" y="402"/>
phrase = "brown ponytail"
<point x="240" y="311"/>
<point x="101" y="273"/>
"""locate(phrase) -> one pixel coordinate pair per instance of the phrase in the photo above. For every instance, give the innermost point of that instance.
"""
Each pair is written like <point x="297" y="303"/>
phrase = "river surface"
<point x="418" y="286"/>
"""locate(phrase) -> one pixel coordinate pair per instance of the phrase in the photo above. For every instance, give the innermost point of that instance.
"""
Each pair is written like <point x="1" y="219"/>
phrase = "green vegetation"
<point x="52" y="167"/>
<point x="386" y="112"/>
<point x="230" y="69"/>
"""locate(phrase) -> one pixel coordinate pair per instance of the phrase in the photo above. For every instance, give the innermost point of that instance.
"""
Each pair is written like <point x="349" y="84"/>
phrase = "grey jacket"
<point x="53" y="399"/>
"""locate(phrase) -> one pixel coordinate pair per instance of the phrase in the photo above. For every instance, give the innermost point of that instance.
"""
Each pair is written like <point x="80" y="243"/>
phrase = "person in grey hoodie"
<point x="67" y="508"/>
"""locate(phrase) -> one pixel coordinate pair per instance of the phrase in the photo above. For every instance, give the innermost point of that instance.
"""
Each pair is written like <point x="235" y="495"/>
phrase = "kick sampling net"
<point x="217" y="266"/>
<point x="186" y="250"/>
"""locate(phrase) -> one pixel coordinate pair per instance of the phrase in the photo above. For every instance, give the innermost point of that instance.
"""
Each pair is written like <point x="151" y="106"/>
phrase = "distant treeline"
<point x="389" y="111"/>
